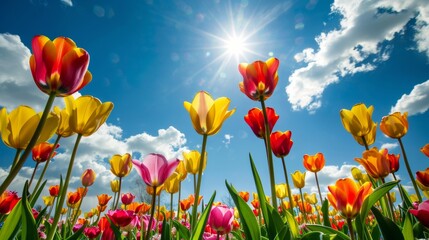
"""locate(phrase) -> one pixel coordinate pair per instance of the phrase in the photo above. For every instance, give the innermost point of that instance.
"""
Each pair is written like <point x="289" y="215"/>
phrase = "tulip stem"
<point x="119" y="194"/>
<point x="365" y="143"/>
<point x="399" y="186"/>
<point x="15" y="169"/>
<point x="178" y="200"/>
<point x="303" y="205"/>
<point x="318" y="188"/>
<point x="32" y="175"/>
<point x="195" y="182"/>
<point x="197" y="190"/>
<point x="351" y="231"/>
<point x="391" y="212"/>
<point x="269" y="154"/>
<point x="289" y="192"/>
<point x="15" y="160"/>
<point x="39" y="181"/>
<point x="63" y="190"/>
<point x="152" y="212"/>
<point x="409" y="170"/>
<point x="171" y="210"/>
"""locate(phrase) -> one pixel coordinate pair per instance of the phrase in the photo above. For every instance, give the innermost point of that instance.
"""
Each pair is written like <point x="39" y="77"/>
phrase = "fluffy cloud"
<point x="389" y="146"/>
<point x="414" y="103"/>
<point x="355" y="47"/>
<point x="67" y="2"/>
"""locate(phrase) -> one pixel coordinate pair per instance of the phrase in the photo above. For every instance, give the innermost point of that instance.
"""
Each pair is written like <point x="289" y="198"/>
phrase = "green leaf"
<point x="407" y="229"/>
<point x="36" y="194"/>
<point x="12" y="223"/>
<point x="361" y="228"/>
<point x="115" y="229"/>
<point x="375" y="233"/>
<point x="325" y="212"/>
<point x="328" y="231"/>
<point x="283" y="233"/>
<point x="237" y="235"/>
<point x="29" y="228"/>
<point x="165" y="234"/>
<point x="388" y="228"/>
<point x="182" y="230"/>
<point x="293" y="225"/>
<point x="201" y="224"/>
<point x="378" y="193"/>
<point x="248" y="219"/>
<point x="41" y="215"/>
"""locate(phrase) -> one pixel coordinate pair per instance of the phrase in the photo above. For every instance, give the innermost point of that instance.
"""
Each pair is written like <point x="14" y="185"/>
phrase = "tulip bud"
<point x="88" y="177"/>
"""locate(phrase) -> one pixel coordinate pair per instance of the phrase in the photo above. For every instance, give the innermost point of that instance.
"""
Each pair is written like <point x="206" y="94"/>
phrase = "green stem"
<point x="15" y="160"/>
<point x="64" y="190"/>
<point x="318" y="188"/>
<point x="171" y="210"/>
<point x="352" y="233"/>
<point x="197" y="190"/>
<point x="119" y="194"/>
<point x="46" y="165"/>
<point x="195" y="182"/>
<point x="269" y="154"/>
<point x="365" y="143"/>
<point x="152" y="212"/>
<point x="399" y="187"/>
<point x="391" y="213"/>
<point x="289" y="192"/>
<point x="32" y="175"/>
<point x="178" y="200"/>
<point x="410" y="173"/>
<point x="14" y="171"/>
<point x="303" y="205"/>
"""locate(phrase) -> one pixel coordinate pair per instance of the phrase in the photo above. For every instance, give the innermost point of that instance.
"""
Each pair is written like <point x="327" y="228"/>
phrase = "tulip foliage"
<point x="361" y="206"/>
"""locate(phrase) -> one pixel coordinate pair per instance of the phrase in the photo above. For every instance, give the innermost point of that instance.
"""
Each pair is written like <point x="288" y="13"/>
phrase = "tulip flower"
<point x="375" y="163"/>
<point x="185" y="204"/>
<point x="425" y="150"/>
<point x="281" y="191"/>
<point x="192" y="160"/>
<point x="423" y="177"/>
<point x="259" y="78"/>
<point x="155" y="169"/>
<point x="255" y="120"/>
<point x="298" y="179"/>
<point x="357" y="174"/>
<point x="88" y="177"/>
<point x="121" y="166"/>
<point x="127" y="198"/>
<point x="41" y="151"/>
<point x="73" y="198"/>
<point x="48" y="200"/>
<point x="220" y="219"/>
<point x="54" y="190"/>
<point x="394" y="125"/>
<point x="358" y="120"/>
<point x="310" y="198"/>
<point x="114" y="185"/>
<point x="207" y="114"/>
<point x="281" y="143"/>
<point x="244" y="195"/>
<point x="88" y="115"/>
<point x="421" y="212"/>
<point x="59" y="66"/>
<point x="103" y="199"/>
<point x="64" y="129"/>
<point x="120" y="217"/>
<point x="171" y="185"/>
<point x="315" y="163"/>
<point x="393" y="160"/>
<point x="8" y="200"/>
<point x="181" y="170"/>
<point x="368" y="139"/>
<point x="92" y="232"/>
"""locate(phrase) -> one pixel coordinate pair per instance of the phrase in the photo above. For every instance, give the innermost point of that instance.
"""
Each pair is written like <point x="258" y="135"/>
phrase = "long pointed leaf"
<point x="407" y="229"/>
<point x="182" y="230"/>
<point x="201" y="224"/>
<point x="325" y="212"/>
<point x="327" y="230"/>
<point x="13" y="222"/>
<point x="374" y="197"/>
<point x="29" y="228"/>
<point x="36" y="194"/>
<point x="388" y="228"/>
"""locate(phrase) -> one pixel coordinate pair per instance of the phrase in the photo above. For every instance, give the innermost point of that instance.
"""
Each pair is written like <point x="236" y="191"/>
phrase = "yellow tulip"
<point x="48" y="200"/>
<point x="369" y="138"/>
<point x="64" y="129"/>
<point x="357" y="173"/>
<point x="281" y="190"/>
<point x="181" y="170"/>
<point x="121" y="166"/>
<point x="89" y="114"/>
<point x="208" y="115"/>
<point x="192" y="160"/>
<point x="149" y="190"/>
<point x="114" y="185"/>
<point x="358" y="120"/>
<point x="298" y="179"/>
<point x="17" y="127"/>
<point x="310" y="198"/>
<point x="394" y="125"/>
<point x="172" y="183"/>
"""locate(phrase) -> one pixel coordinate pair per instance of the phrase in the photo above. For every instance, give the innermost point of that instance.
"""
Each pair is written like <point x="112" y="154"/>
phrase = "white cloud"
<point x="414" y="103"/>
<point x="389" y="146"/>
<point x="227" y="140"/>
<point x="357" y="46"/>
<point x="422" y="28"/>
<point x="67" y="2"/>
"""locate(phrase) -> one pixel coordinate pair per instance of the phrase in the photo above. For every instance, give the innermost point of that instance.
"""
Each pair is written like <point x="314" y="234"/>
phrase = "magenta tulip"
<point x="220" y="219"/>
<point x="155" y="169"/>
<point x="127" y="198"/>
<point x="421" y="211"/>
<point x="120" y="217"/>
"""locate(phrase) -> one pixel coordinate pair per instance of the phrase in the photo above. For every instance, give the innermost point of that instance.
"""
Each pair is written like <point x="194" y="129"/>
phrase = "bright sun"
<point x="235" y="46"/>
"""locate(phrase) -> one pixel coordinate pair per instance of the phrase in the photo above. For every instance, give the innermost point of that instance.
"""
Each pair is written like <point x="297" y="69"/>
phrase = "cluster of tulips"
<point x="359" y="207"/>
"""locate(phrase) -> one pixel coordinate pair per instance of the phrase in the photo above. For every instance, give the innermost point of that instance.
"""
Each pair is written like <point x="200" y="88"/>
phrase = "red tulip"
<point x="255" y="120"/>
<point x="281" y="143"/>
<point x="54" y="190"/>
<point x="8" y="200"/>
<point x="423" y="177"/>
<point x="41" y="151"/>
<point x="59" y="66"/>
<point x="120" y="217"/>
<point x="127" y="198"/>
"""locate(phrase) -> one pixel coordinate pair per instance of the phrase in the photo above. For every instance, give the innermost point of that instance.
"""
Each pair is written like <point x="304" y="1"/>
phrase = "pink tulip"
<point x="220" y="219"/>
<point x="127" y="198"/>
<point x="92" y="232"/>
<point x="155" y="169"/>
<point x="421" y="212"/>
<point x="121" y="217"/>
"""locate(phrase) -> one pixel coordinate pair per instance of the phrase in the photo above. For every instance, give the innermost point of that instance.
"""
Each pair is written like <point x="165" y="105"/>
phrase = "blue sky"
<point x="147" y="57"/>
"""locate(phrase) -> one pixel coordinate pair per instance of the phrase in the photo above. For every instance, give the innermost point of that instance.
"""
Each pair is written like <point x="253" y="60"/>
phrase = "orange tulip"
<point x="314" y="163"/>
<point x="41" y="151"/>
<point x="54" y="190"/>
<point x="244" y="195"/>
<point x="376" y="164"/>
<point x="423" y="177"/>
<point x="395" y="125"/>
<point x="425" y="150"/>
<point x="347" y="197"/>
<point x="88" y="177"/>
<point x="185" y="204"/>
<point x="103" y="199"/>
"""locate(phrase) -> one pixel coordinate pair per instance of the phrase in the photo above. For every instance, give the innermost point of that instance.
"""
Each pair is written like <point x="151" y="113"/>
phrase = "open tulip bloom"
<point x="155" y="169"/>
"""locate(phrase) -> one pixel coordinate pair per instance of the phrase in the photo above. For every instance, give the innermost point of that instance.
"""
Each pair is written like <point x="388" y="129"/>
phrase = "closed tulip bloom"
<point x="120" y="217"/>
<point x="64" y="129"/>
<point x="121" y="166"/>
<point x="192" y="161"/>
<point x="259" y="78"/>
<point x="8" y="200"/>
<point x="208" y="115"/>
<point x="347" y="197"/>
<point x="298" y="179"/>
<point x="88" y="177"/>
<point x="314" y="163"/>
<point x="185" y="204"/>
<point x="369" y="138"/>
<point x="159" y="189"/>
<point x="423" y="177"/>
<point x="244" y="195"/>
<point x="40" y="152"/>
<point x="59" y="66"/>
<point x="155" y="169"/>
<point x="395" y="125"/>
<point x="425" y="150"/>
<point x="89" y="114"/>
<point x="171" y="185"/>
<point x="92" y="232"/>
<point x="114" y="185"/>
<point x="127" y="198"/>
<point x="54" y="190"/>
<point x="310" y="198"/>
<point x="358" y="120"/>
<point x="255" y="120"/>
<point x="73" y="198"/>
<point x="220" y="219"/>
<point x="375" y="163"/>
<point x="357" y="173"/>
<point x="281" y="190"/>
<point x="48" y="200"/>
<point x="103" y="199"/>
<point x="181" y="170"/>
<point x="17" y="127"/>
<point x="393" y="160"/>
<point x="281" y="143"/>
<point x="421" y="212"/>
